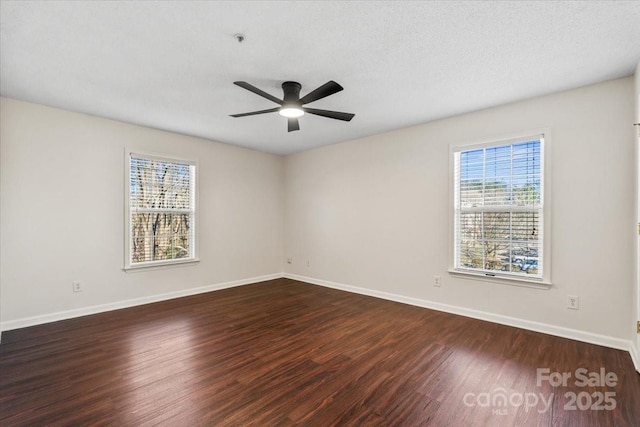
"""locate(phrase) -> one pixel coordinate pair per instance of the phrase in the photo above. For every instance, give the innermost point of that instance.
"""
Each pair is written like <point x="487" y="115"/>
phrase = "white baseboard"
<point x="635" y="356"/>
<point x="545" y="328"/>
<point x="70" y="314"/>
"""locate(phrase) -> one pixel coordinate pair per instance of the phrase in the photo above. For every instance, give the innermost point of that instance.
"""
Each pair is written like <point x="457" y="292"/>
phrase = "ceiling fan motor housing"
<point x="291" y="93"/>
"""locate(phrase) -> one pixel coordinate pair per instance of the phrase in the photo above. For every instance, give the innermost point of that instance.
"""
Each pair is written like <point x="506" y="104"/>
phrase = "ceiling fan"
<point x="291" y="105"/>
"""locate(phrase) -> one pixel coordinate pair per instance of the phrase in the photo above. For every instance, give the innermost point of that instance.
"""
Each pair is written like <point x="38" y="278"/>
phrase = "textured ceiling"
<point x="171" y="65"/>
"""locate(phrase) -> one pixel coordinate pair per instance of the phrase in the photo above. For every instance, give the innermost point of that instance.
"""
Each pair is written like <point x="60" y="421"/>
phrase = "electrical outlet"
<point x="436" y="281"/>
<point x="573" y="302"/>
<point x="289" y="260"/>
<point x="77" y="286"/>
<point x="308" y="263"/>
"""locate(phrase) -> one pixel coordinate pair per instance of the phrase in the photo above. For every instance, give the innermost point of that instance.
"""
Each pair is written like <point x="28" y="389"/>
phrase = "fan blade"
<point x="252" y="88"/>
<point x="293" y="124"/>
<point x="253" y="113"/>
<point x="329" y="88"/>
<point x="331" y="114"/>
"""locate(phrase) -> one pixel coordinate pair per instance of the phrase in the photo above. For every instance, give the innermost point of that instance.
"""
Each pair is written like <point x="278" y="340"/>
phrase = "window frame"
<point x="193" y="258"/>
<point x="543" y="282"/>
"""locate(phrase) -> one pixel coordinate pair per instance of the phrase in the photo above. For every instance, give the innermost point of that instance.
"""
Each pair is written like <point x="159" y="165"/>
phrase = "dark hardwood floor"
<point x="288" y="353"/>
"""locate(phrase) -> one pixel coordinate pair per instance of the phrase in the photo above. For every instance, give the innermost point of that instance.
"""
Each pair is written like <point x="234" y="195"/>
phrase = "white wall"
<point x="373" y="213"/>
<point x="62" y="181"/>
<point x="635" y="338"/>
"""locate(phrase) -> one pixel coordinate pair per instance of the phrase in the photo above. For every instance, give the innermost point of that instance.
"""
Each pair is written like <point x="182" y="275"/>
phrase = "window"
<point x="161" y="211"/>
<point x="499" y="209"/>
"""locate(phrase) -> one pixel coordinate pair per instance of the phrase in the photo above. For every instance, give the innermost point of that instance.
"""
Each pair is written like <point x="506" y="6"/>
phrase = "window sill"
<point x="503" y="280"/>
<point x="159" y="265"/>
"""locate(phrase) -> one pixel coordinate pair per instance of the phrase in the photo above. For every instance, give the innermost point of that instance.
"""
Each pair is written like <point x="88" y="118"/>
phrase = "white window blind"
<point x="498" y="205"/>
<point x="161" y="210"/>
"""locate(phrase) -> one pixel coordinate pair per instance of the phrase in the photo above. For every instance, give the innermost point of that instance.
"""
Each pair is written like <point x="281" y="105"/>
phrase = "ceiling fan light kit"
<point x="291" y="105"/>
<point x="291" y="111"/>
